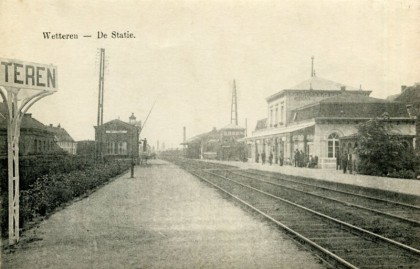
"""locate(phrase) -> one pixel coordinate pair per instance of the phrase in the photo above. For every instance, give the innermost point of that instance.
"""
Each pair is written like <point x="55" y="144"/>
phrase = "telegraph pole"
<point x="100" y="120"/>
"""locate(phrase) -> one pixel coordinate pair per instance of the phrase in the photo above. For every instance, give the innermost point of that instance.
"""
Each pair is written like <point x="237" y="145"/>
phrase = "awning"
<point x="278" y="131"/>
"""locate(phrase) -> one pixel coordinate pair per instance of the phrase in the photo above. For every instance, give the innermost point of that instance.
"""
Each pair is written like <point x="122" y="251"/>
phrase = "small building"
<point x="63" y="139"/>
<point x="118" y="139"/>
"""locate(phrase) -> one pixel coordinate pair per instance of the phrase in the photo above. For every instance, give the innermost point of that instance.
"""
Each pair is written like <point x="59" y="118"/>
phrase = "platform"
<point x="162" y="218"/>
<point x="404" y="186"/>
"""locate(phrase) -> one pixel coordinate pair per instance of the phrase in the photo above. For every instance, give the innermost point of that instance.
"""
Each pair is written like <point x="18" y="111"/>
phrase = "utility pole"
<point x="100" y="120"/>
<point x="234" y="106"/>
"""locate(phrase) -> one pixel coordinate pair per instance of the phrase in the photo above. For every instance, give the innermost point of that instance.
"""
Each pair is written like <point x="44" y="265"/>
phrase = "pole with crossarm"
<point x="22" y="84"/>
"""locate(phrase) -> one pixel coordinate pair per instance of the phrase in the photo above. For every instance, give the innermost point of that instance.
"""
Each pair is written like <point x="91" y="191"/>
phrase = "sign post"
<point x="22" y="84"/>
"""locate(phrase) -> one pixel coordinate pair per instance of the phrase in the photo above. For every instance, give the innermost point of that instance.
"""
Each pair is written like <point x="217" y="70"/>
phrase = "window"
<point x="271" y="116"/>
<point x="282" y="113"/>
<point x="333" y="145"/>
<point x="122" y="148"/>
<point x="276" y="115"/>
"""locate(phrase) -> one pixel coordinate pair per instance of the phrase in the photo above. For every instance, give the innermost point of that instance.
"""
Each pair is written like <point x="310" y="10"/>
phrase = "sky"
<point x="186" y="54"/>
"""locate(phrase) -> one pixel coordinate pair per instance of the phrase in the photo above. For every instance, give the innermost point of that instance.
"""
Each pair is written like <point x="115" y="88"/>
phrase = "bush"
<point x="33" y="167"/>
<point x="382" y="153"/>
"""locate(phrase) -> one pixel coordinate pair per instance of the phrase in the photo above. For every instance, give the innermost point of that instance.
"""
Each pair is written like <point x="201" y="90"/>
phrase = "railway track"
<point x="345" y="206"/>
<point x="336" y="230"/>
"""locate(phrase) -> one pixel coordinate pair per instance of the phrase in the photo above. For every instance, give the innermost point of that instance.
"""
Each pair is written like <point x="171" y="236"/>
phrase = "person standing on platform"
<point x="263" y="157"/>
<point x="301" y="158"/>
<point x="344" y="162"/>
<point x="270" y="158"/>
<point x="297" y="157"/>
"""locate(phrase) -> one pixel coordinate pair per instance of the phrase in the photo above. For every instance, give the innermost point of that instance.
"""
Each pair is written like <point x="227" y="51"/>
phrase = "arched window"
<point x="333" y="145"/>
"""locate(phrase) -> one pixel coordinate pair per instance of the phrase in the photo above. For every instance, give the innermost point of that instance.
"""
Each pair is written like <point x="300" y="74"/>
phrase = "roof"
<point x="392" y="97"/>
<point x="317" y="83"/>
<point x="277" y="131"/>
<point x="350" y="106"/>
<point x="60" y="133"/>
<point x="232" y="126"/>
<point x="345" y="98"/>
<point x="261" y="124"/>
<point x="408" y="95"/>
<point x="390" y="133"/>
<point x="27" y="121"/>
<point x="118" y="122"/>
<point x="352" y="98"/>
<point x="198" y="138"/>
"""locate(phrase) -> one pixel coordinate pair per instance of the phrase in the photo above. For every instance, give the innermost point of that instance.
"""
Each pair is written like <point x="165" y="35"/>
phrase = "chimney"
<point x="403" y="88"/>
<point x="185" y="134"/>
<point x="51" y="125"/>
<point x="343" y="88"/>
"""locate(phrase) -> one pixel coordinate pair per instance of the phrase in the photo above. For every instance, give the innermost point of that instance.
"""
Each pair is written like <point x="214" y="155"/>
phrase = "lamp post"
<point x="133" y="141"/>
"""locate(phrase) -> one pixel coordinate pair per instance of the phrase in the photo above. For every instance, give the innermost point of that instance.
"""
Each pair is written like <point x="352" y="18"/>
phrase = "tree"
<point x="381" y="153"/>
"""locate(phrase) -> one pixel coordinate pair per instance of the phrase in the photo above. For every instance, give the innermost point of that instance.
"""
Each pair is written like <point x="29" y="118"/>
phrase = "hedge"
<point x="51" y="190"/>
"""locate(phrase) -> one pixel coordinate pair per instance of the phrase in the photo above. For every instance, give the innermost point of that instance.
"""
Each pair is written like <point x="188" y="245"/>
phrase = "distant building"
<point x="217" y="144"/>
<point x="63" y="139"/>
<point x="35" y="138"/>
<point x="230" y="147"/>
<point x="205" y="145"/>
<point x="410" y="96"/>
<point x="118" y="139"/>
<point x="312" y="116"/>
<point x="86" y="148"/>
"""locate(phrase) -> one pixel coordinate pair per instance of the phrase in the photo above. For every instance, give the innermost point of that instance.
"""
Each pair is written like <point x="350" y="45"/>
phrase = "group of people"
<point x="304" y="160"/>
<point x="271" y="158"/>
<point x="300" y="159"/>
<point x="346" y="162"/>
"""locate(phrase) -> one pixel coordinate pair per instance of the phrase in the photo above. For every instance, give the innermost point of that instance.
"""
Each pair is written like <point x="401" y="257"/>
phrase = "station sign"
<point x="116" y="131"/>
<point x="18" y="74"/>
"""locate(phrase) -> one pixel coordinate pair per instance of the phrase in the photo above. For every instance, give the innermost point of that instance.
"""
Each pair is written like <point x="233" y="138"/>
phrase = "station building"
<point x="118" y="139"/>
<point x="315" y="114"/>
